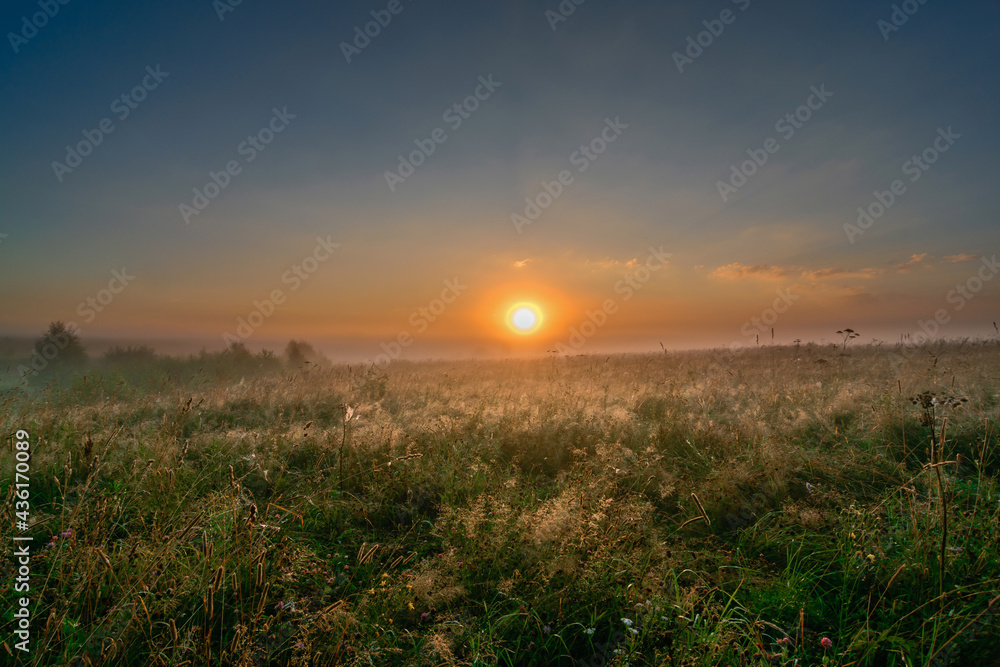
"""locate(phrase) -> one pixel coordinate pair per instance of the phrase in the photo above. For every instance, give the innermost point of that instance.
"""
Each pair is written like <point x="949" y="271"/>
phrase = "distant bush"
<point x="238" y="361"/>
<point x="140" y="354"/>
<point x="298" y="353"/>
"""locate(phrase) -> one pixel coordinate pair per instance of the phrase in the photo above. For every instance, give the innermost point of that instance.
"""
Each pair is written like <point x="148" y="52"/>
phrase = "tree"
<point x="299" y="352"/>
<point x="295" y="354"/>
<point x="237" y="356"/>
<point x="59" y="351"/>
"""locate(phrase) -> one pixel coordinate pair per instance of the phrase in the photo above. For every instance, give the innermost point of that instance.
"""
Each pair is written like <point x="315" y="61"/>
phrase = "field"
<point x="771" y="506"/>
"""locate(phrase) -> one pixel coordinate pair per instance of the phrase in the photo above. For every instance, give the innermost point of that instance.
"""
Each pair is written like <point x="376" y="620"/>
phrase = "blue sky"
<point x="656" y="184"/>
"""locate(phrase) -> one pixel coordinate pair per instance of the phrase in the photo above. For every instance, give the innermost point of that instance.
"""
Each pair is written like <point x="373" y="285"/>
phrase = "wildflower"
<point x="423" y="616"/>
<point x="826" y="643"/>
<point x="627" y="622"/>
<point x="784" y="641"/>
<point x="547" y="629"/>
<point x="871" y="557"/>
<point x="67" y="533"/>
<point x="633" y="631"/>
<point x="809" y="487"/>
<point x="410" y="605"/>
<point x="279" y="606"/>
<point x="590" y="631"/>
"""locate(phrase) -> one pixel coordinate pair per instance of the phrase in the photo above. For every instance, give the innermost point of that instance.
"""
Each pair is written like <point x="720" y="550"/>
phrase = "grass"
<point x="702" y="508"/>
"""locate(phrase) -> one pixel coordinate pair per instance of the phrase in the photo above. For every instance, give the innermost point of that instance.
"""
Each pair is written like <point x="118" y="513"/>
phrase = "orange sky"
<point x="798" y="173"/>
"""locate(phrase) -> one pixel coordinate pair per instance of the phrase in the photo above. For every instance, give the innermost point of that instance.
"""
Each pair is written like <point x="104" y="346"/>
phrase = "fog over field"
<point x="517" y="333"/>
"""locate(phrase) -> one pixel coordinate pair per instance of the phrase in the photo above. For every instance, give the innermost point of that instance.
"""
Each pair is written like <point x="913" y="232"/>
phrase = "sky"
<point x="389" y="179"/>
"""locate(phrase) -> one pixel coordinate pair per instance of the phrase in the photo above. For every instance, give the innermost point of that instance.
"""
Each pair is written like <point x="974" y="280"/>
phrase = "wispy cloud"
<point x="737" y="271"/>
<point x="923" y="260"/>
<point x="608" y="263"/>
<point x="963" y="257"/>
<point x="521" y="263"/>
<point x="821" y="274"/>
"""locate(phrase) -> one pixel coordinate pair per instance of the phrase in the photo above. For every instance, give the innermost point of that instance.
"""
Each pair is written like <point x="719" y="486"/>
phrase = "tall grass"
<point x="517" y="512"/>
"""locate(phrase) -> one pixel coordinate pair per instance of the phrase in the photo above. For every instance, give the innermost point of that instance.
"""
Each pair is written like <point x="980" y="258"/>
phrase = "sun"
<point x="524" y="318"/>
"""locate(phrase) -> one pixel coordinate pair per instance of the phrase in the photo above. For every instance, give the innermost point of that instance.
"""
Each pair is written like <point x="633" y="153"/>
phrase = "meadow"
<point x="797" y="505"/>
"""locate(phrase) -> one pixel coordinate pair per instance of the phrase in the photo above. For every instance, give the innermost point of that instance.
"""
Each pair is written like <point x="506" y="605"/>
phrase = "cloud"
<point x="737" y="271"/>
<point x="608" y="263"/>
<point x="521" y="263"/>
<point x="820" y="274"/>
<point x="963" y="257"/>
<point x="915" y="261"/>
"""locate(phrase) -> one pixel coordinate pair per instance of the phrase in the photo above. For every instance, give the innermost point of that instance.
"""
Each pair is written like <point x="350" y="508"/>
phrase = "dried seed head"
<point x="217" y="579"/>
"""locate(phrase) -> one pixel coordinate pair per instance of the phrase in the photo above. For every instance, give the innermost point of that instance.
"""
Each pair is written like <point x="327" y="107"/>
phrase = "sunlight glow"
<point x="524" y="318"/>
